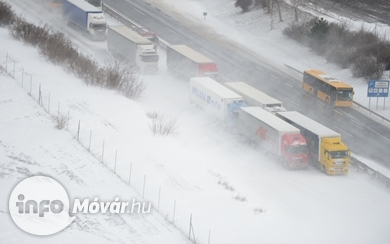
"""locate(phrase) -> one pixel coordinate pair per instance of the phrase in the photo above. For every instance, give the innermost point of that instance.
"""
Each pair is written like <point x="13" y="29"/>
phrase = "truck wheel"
<point x="323" y="169"/>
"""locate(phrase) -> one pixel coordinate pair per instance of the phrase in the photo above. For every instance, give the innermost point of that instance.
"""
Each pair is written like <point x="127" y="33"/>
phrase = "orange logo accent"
<point x="261" y="132"/>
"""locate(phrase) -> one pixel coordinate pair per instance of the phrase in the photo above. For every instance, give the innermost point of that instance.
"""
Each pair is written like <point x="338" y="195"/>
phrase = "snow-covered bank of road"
<point x="30" y="145"/>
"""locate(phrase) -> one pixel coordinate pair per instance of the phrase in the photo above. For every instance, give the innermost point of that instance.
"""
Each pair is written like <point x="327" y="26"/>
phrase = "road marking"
<point x="338" y="111"/>
<point x="376" y="132"/>
<point x="293" y="101"/>
<point x="288" y="84"/>
<point x="171" y="30"/>
<point x="275" y="77"/>
<point x="139" y="11"/>
<point x="356" y="122"/>
<point x="344" y="131"/>
<point x="259" y="68"/>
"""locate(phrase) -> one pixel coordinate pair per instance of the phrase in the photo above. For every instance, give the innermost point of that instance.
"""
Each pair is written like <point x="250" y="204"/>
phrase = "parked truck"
<point x="85" y="17"/>
<point x="325" y="146"/>
<point x="275" y="135"/>
<point x="215" y="98"/>
<point x="254" y="97"/>
<point x="185" y="62"/>
<point x="148" y="34"/>
<point x="129" y="44"/>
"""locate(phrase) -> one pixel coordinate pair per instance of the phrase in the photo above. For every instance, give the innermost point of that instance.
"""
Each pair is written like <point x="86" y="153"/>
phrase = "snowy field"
<point x="235" y="192"/>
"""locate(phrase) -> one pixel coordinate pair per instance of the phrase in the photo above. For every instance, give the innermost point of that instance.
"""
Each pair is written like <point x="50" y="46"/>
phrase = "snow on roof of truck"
<point x="216" y="87"/>
<point x="309" y="124"/>
<point x="270" y="119"/>
<point x="84" y="5"/>
<point x="130" y="34"/>
<point x="247" y="90"/>
<point x="191" y="54"/>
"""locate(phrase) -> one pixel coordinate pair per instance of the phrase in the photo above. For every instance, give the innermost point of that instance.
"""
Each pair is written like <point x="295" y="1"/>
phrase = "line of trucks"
<point x="121" y="40"/>
<point x="293" y="137"/>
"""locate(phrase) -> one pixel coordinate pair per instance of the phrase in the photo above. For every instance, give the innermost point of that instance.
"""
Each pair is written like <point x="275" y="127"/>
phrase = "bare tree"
<point x="271" y="11"/>
<point x="279" y="10"/>
<point x="296" y="4"/>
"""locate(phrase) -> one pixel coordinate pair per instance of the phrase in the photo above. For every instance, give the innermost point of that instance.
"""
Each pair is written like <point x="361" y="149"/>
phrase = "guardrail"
<point x="371" y="112"/>
<point x="108" y="9"/>
<point x="354" y="161"/>
<point x="371" y="172"/>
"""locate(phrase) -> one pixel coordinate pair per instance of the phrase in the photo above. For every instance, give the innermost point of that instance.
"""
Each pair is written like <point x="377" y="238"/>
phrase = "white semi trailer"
<point x="129" y="44"/>
<point x="215" y="98"/>
<point x="275" y="135"/>
<point x="254" y="97"/>
<point x="85" y="17"/>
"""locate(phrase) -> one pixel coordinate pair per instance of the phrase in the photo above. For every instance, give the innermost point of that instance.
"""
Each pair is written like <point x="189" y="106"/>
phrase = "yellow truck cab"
<point x="326" y="149"/>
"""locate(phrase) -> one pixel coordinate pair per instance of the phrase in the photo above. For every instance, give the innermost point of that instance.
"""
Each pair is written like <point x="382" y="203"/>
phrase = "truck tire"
<point x="323" y="168"/>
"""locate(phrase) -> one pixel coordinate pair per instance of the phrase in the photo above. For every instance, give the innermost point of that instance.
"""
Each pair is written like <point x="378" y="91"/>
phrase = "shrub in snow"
<point x="364" y="51"/>
<point x="259" y="210"/>
<point x="124" y="76"/>
<point x="162" y="124"/>
<point x="240" y="198"/>
<point x="7" y="15"/>
<point x="61" y="121"/>
<point x="57" y="48"/>
<point x="368" y="67"/>
<point x="226" y="185"/>
<point x="27" y="32"/>
<point x="243" y="4"/>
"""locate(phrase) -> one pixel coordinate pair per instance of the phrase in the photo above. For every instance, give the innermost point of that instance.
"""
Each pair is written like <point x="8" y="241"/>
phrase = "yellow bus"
<point x="328" y="89"/>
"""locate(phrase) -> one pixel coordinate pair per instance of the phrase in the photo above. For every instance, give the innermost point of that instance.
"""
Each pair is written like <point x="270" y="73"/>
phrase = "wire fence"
<point x="167" y="208"/>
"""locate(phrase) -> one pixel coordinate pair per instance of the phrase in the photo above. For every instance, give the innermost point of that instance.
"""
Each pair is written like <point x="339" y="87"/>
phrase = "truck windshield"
<point x="99" y="26"/>
<point x="212" y="75"/>
<point x="153" y="39"/>
<point x="339" y="154"/>
<point x="302" y="149"/>
<point x="96" y="3"/>
<point x="149" y="58"/>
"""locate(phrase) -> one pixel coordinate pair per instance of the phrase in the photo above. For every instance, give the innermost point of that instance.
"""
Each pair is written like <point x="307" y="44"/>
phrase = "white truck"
<point x="254" y="97"/>
<point x="275" y="135"/>
<point x="185" y="62"/>
<point x="85" y="17"/>
<point x="215" y="98"/>
<point x="326" y="149"/>
<point x="129" y="44"/>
